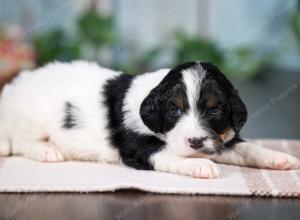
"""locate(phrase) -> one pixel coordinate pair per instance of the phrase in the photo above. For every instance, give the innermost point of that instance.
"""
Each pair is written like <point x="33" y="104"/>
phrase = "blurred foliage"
<point x="96" y="29"/>
<point x="246" y="63"/>
<point x="142" y="63"/>
<point x="193" y="48"/>
<point x="295" y="23"/>
<point x="240" y="62"/>
<point x="55" y="45"/>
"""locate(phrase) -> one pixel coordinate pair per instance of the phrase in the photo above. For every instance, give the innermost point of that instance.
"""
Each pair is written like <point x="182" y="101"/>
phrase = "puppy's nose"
<point x="196" y="143"/>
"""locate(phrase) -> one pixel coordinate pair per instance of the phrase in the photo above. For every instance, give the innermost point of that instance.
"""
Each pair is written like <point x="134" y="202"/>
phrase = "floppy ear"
<point x="150" y="111"/>
<point x="239" y="112"/>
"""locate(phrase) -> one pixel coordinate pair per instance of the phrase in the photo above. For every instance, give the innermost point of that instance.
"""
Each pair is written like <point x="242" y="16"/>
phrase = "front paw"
<point x="47" y="154"/>
<point x="281" y="161"/>
<point x="199" y="168"/>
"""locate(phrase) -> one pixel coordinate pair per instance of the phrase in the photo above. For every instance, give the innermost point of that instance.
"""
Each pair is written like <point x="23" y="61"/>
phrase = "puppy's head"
<point x="196" y="108"/>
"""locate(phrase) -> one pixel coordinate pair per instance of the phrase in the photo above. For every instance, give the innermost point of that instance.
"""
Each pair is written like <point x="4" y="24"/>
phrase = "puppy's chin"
<point x="182" y="150"/>
<point x="205" y="151"/>
<point x="209" y="151"/>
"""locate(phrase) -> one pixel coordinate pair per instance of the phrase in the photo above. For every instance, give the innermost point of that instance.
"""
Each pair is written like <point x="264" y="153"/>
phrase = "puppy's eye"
<point x="215" y="110"/>
<point x="175" y="111"/>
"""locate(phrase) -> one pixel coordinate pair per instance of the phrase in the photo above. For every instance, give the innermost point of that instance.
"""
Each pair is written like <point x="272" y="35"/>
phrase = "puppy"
<point x="173" y="120"/>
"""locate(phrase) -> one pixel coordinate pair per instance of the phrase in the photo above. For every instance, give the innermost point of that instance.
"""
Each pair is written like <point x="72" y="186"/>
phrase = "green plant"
<point x="144" y="62"/>
<point x="194" y="48"/>
<point x="241" y="62"/>
<point x="55" y="45"/>
<point x="96" y="29"/>
<point x="295" y="24"/>
<point x="246" y="63"/>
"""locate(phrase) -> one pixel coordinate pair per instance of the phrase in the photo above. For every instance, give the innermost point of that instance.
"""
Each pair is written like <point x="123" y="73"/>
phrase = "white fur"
<point x="31" y="110"/>
<point x="177" y="138"/>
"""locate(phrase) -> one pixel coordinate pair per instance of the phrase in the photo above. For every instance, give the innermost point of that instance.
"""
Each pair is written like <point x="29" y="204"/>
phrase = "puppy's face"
<point x="196" y="108"/>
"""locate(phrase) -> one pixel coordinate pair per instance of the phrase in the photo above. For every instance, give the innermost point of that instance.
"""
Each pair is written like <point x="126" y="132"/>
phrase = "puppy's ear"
<point x="239" y="111"/>
<point x="150" y="111"/>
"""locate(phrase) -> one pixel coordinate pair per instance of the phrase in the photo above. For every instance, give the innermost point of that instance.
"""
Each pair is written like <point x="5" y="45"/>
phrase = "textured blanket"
<point x="23" y="175"/>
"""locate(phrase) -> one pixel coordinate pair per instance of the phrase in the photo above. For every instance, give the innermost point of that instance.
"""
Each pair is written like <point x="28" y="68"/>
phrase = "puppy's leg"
<point x="166" y="161"/>
<point x="30" y="140"/>
<point x="253" y="155"/>
<point x="85" y="145"/>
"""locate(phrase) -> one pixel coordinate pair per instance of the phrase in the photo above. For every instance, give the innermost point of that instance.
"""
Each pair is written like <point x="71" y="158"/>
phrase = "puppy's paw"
<point x="281" y="161"/>
<point x="47" y="154"/>
<point x="53" y="155"/>
<point x="199" y="168"/>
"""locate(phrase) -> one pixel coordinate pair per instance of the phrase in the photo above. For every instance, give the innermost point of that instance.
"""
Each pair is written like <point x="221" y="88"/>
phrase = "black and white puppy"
<point x="177" y="121"/>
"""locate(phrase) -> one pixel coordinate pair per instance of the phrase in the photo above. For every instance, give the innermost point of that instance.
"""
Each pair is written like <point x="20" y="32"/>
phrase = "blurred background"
<point x="256" y="43"/>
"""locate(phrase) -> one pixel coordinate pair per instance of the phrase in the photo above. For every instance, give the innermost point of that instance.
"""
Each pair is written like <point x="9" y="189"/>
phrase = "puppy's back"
<point x="39" y="97"/>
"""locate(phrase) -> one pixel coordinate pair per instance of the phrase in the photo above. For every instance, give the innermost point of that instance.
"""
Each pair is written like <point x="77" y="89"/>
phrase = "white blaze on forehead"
<point x="193" y="78"/>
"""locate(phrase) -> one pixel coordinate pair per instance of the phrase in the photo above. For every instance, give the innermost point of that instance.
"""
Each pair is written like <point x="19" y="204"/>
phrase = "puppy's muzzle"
<point x="209" y="145"/>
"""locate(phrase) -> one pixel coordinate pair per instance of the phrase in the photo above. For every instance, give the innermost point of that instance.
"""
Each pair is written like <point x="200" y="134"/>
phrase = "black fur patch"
<point x="156" y="107"/>
<point x="135" y="149"/>
<point x="235" y="109"/>
<point x="70" y="119"/>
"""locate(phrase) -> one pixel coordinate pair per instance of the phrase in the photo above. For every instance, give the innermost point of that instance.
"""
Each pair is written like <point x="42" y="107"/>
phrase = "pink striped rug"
<point x="23" y="175"/>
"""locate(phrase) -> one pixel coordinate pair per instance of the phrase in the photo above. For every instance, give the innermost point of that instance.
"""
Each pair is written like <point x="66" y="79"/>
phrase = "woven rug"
<point x="22" y="175"/>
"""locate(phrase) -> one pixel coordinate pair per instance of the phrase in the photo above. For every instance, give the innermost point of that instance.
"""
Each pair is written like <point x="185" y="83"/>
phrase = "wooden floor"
<point x="135" y="205"/>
